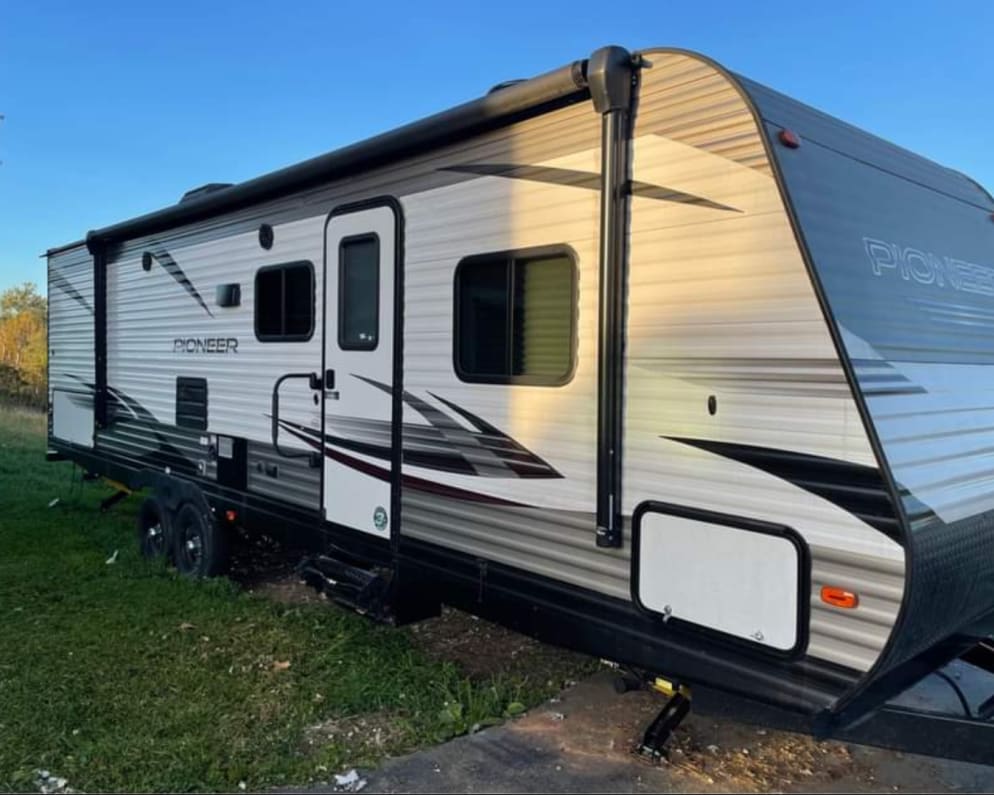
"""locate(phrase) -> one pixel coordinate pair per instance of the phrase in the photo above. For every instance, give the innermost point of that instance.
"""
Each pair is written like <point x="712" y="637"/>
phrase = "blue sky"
<point x="114" y="109"/>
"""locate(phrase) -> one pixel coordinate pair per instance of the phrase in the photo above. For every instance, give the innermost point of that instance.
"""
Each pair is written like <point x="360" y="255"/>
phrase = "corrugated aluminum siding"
<point x="557" y="423"/>
<point x="449" y="215"/>
<point x="70" y="320"/>
<point x="149" y="311"/>
<point x="720" y="304"/>
<point x="904" y="250"/>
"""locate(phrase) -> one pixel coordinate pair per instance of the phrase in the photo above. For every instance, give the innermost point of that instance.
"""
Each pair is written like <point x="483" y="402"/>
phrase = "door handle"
<point x="329" y="379"/>
<point x="314" y="382"/>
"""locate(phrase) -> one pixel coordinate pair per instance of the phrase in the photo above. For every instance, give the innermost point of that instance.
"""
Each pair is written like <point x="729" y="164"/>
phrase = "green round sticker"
<point x="380" y="518"/>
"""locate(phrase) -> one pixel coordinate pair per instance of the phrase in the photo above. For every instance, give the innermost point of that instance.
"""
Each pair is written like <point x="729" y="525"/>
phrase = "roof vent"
<point x="506" y="84"/>
<point x="203" y="190"/>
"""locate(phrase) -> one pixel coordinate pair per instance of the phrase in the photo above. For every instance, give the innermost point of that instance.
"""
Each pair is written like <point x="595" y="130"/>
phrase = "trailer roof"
<point x="64" y="247"/>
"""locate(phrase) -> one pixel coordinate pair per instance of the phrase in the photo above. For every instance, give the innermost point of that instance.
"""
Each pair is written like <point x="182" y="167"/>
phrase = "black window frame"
<point x="341" y="291"/>
<point x="512" y="255"/>
<point x="305" y="337"/>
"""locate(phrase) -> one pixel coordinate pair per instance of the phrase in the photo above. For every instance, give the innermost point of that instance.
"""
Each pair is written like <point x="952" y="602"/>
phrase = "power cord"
<point x="957" y="690"/>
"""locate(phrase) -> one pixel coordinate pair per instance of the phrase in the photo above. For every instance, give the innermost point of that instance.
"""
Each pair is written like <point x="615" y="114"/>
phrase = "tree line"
<point x="23" y="346"/>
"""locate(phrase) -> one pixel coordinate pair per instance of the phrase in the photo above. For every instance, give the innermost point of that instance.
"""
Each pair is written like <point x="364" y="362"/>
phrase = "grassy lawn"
<point x="122" y="676"/>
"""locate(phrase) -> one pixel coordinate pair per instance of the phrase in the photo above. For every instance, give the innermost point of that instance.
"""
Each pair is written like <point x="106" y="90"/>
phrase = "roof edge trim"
<point x="561" y="86"/>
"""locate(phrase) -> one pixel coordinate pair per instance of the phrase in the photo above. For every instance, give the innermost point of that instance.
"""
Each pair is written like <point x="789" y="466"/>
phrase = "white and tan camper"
<point x="636" y="356"/>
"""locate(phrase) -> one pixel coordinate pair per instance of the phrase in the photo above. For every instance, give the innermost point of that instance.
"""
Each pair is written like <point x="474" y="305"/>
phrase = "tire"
<point x="154" y="530"/>
<point x="200" y="545"/>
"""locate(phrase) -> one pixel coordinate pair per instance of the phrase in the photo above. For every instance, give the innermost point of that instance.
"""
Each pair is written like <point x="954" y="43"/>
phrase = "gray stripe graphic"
<point x="583" y="179"/>
<point x="62" y="283"/>
<point x="164" y="258"/>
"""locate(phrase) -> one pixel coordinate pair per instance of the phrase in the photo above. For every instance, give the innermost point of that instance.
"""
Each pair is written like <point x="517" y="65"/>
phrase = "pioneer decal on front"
<point x="205" y="345"/>
<point x="927" y="268"/>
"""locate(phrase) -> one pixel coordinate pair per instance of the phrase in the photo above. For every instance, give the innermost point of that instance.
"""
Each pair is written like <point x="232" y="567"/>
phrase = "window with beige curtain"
<point x="516" y="317"/>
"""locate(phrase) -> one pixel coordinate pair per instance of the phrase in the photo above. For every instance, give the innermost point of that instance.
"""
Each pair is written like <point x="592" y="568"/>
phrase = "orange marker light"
<point x="839" y="597"/>
<point x="230" y="515"/>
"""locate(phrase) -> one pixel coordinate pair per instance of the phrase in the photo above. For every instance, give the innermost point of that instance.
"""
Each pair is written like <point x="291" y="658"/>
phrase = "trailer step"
<point x="360" y="589"/>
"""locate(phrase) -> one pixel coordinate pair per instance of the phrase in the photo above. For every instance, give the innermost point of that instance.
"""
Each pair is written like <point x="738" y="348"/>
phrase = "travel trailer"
<point x="637" y="356"/>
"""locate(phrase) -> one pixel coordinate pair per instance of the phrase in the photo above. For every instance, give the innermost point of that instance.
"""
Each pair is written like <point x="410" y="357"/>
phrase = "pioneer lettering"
<point x="205" y="345"/>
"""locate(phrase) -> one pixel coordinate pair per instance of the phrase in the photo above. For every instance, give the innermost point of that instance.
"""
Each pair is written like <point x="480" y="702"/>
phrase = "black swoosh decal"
<point x="407" y="481"/>
<point x="444" y="444"/>
<point x="490" y="451"/>
<point x="62" y="283"/>
<point x="583" y="179"/>
<point x="519" y="458"/>
<point x="164" y="258"/>
<point x="440" y="460"/>
<point x="856" y="488"/>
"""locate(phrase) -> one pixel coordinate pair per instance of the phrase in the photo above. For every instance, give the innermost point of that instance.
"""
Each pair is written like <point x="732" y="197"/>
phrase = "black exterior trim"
<point x="747" y="524"/>
<point x="612" y="74"/>
<point x="512" y="256"/>
<point x="341" y="291"/>
<point x="63" y="248"/>
<point x="99" y="340"/>
<point x="558" y="88"/>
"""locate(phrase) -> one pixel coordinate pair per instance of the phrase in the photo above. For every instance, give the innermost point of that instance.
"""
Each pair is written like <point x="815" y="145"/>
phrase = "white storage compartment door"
<point x="72" y="417"/>
<point x="735" y="576"/>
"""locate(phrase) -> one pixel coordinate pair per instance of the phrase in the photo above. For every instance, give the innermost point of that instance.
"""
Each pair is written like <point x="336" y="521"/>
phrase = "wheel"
<point x="200" y="547"/>
<point x="154" y="539"/>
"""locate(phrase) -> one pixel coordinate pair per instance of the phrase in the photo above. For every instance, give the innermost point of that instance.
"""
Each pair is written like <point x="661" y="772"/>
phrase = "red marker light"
<point x="789" y="139"/>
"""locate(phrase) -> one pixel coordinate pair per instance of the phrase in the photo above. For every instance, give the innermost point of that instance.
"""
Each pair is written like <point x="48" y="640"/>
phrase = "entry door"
<point x="360" y="251"/>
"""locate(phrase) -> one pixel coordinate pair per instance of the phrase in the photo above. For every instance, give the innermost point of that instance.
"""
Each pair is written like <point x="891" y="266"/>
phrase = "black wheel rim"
<point x="155" y="538"/>
<point x="191" y="546"/>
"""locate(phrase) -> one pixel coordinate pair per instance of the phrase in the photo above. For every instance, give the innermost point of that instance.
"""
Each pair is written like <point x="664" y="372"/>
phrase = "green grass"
<point x="127" y="677"/>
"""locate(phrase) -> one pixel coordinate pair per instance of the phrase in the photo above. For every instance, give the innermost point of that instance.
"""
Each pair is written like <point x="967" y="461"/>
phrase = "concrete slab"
<point x="582" y="743"/>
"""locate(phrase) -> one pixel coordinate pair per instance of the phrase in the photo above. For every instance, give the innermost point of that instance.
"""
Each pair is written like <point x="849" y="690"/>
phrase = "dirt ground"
<point x="582" y="743"/>
<point x="479" y="648"/>
<point x="583" y="739"/>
